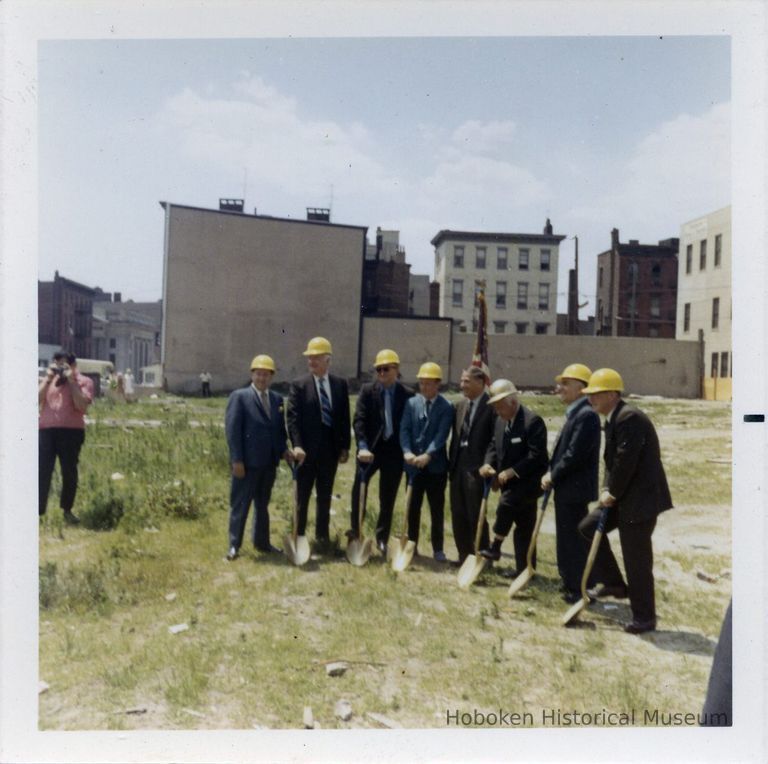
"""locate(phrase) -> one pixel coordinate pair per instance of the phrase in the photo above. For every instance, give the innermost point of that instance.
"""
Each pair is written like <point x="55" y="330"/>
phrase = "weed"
<point x="105" y="508"/>
<point x="176" y="499"/>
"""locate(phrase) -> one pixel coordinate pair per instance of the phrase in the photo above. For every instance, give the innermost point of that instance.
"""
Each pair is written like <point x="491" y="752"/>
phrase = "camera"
<point x="59" y="373"/>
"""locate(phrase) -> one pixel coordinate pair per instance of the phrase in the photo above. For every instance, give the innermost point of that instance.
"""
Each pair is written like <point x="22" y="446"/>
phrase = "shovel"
<point x="577" y="607"/>
<point x="296" y="547"/>
<point x="473" y="565"/>
<point x="359" y="549"/>
<point x="403" y="548"/>
<point x="524" y="578"/>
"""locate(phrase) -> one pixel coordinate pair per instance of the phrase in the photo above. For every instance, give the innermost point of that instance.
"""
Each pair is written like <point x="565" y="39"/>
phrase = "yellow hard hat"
<point x="500" y="389"/>
<point x="430" y="370"/>
<point x="318" y="346"/>
<point x="604" y="380"/>
<point x="263" y="362"/>
<point x="575" y="371"/>
<point x="386" y="356"/>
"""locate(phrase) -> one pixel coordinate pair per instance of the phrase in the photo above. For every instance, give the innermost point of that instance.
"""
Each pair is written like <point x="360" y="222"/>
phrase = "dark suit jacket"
<point x="368" y="422"/>
<point x="254" y="439"/>
<point x="420" y="435"/>
<point x="305" y="421"/>
<point x="480" y="434"/>
<point x="634" y="474"/>
<point x="524" y="450"/>
<point x="576" y="456"/>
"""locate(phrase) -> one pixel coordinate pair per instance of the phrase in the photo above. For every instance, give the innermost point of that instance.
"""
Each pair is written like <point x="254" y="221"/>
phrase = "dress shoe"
<point x="232" y="554"/>
<point x="572" y="597"/>
<point x="350" y="534"/>
<point x="509" y="573"/>
<point x="491" y="554"/>
<point x="382" y="547"/>
<point x="640" y="627"/>
<point x="440" y="556"/>
<point x="269" y="549"/>
<point x="70" y="518"/>
<point x="619" y="592"/>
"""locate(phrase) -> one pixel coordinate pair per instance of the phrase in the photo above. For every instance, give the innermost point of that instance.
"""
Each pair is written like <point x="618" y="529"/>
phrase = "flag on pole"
<point x="480" y="356"/>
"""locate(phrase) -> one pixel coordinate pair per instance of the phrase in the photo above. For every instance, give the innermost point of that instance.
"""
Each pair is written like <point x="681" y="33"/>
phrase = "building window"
<point x="522" y="296"/>
<point x="458" y="293"/>
<point x="600" y="276"/>
<point x="501" y="294"/>
<point x="474" y="325"/>
<point x="656" y="275"/>
<point x="521" y="327"/>
<point x="458" y="256"/>
<point x="713" y="370"/>
<point x="112" y="358"/>
<point x="655" y="306"/>
<point x="542" y="328"/>
<point x="718" y="255"/>
<point x="723" y="364"/>
<point x="702" y="254"/>
<point x="715" y="312"/>
<point x="501" y="258"/>
<point x="112" y="343"/>
<point x="688" y="258"/>
<point x="500" y="327"/>
<point x="480" y="257"/>
<point x="653" y="330"/>
<point x="545" y="259"/>
<point x="523" y="259"/>
<point x="462" y="327"/>
<point x="687" y="317"/>
<point x="543" y="296"/>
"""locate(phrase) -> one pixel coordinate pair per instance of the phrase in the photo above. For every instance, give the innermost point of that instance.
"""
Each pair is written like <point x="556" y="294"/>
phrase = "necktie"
<point x="428" y="408"/>
<point x="388" y="414"/>
<point x="325" y="405"/>
<point x="467" y="423"/>
<point x="265" y="403"/>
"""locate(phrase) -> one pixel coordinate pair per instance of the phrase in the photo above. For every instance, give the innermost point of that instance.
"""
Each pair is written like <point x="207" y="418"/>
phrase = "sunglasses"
<point x="382" y="369"/>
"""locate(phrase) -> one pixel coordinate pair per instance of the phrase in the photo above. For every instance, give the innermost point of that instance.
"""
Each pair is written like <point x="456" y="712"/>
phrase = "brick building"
<point x="64" y="310"/>
<point x="637" y="289"/>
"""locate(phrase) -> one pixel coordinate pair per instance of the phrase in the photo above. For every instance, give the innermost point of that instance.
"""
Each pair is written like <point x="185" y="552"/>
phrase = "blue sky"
<point x="411" y="133"/>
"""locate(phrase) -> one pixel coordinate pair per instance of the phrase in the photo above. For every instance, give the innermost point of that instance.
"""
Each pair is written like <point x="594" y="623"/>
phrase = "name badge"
<point x="516" y="440"/>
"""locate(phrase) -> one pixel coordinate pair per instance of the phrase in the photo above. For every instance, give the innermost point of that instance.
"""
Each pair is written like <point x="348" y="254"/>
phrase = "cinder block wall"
<point x="238" y="285"/>
<point x="647" y="366"/>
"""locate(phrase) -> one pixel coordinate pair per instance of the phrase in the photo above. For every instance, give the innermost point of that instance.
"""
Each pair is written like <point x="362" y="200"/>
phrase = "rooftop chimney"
<point x="118" y="296"/>
<point x="548" y="228"/>
<point x="319" y="213"/>
<point x="231" y="205"/>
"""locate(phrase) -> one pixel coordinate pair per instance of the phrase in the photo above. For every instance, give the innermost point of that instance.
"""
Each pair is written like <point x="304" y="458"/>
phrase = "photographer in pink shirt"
<point x="64" y="396"/>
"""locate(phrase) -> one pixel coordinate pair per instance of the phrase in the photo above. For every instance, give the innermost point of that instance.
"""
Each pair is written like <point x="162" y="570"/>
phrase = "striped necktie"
<point x="325" y="404"/>
<point x="388" y="429"/>
<point x="265" y="403"/>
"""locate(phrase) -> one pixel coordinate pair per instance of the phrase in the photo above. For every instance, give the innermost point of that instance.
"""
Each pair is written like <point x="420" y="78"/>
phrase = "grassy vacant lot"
<point x="260" y="631"/>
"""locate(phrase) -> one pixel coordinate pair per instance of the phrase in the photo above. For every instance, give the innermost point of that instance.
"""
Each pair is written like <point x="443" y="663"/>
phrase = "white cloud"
<point x="484" y="137"/>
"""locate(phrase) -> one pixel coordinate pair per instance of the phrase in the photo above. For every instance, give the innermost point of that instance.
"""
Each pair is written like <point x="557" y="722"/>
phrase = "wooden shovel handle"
<point x="535" y="536"/>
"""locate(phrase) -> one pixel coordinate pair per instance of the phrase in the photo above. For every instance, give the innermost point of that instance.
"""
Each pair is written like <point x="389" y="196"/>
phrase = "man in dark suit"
<point x="517" y="458"/>
<point x="376" y="424"/>
<point x="636" y="491"/>
<point x="573" y="472"/>
<point x="319" y="428"/>
<point x="473" y="426"/>
<point x="424" y="432"/>
<point x="257" y="438"/>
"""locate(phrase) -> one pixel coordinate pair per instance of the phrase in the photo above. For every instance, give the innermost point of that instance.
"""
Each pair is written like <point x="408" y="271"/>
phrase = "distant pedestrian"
<point x="424" y="432"/>
<point x="573" y="474"/>
<point x="636" y="491"/>
<point x="257" y="440"/>
<point x="517" y="459"/>
<point x="64" y="396"/>
<point x="205" y="382"/>
<point x="128" y="383"/>
<point x="319" y="429"/>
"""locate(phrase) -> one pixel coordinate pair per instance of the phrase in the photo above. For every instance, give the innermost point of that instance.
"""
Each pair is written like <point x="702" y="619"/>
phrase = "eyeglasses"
<point x="382" y="369"/>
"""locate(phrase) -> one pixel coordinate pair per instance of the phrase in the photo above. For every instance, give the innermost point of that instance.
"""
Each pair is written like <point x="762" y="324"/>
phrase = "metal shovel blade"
<point x="297" y="549"/>
<point x="521" y="581"/>
<point x="574" y="610"/>
<point x="470" y="570"/>
<point x="359" y="550"/>
<point x="403" y="555"/>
